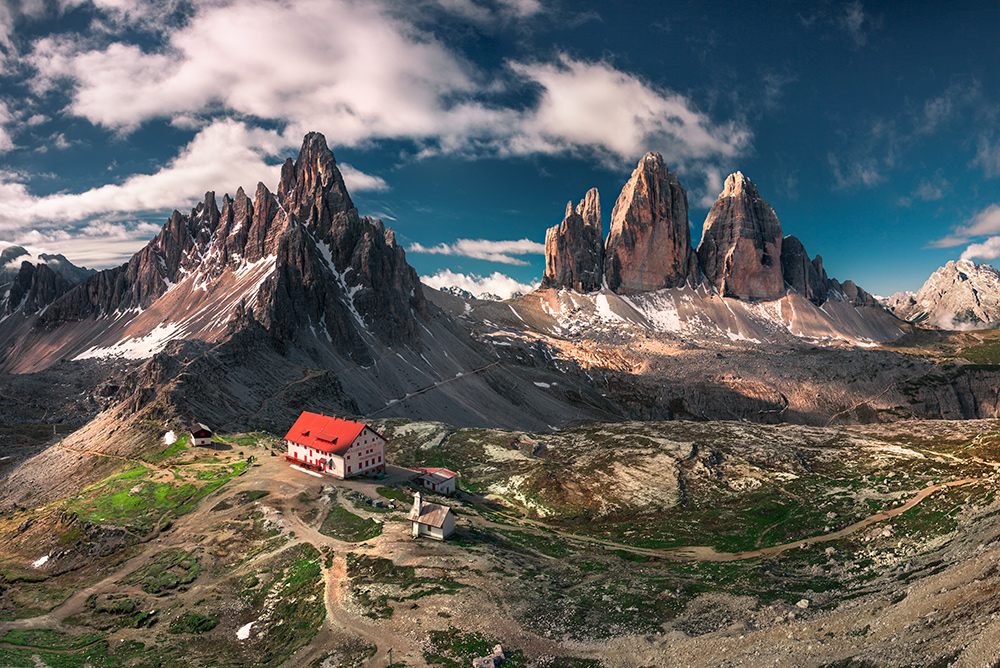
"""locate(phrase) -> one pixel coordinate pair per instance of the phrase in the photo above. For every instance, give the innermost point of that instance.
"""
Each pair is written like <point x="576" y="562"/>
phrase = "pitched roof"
<point x="198" y="426"/>
<point x="437" y="476"/>
<point x="431" y="514"/>
<point x="324" y="433"/>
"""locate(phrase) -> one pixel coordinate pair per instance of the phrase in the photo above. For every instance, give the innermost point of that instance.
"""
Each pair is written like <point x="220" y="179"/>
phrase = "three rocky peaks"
<point x="743" y="253"/>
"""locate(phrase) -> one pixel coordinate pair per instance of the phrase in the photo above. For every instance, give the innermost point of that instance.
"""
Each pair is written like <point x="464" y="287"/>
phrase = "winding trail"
<point x="423" y="390"/>
<point x="708" y="553"/>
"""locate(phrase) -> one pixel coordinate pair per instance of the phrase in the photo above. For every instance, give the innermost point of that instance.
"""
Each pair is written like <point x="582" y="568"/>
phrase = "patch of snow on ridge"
<point x="38" y="563"/>
<point x="660" y="310"/>
<point x="170" y="438"/>
<point x="136" y="348"/>
<point x="604" y="311"/>
<point x="243" y="632"/>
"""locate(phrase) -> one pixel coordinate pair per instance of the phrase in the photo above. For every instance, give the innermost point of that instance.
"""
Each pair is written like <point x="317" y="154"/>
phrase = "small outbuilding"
<point x="431" y="520"/>
<point x="201" y="434"/>
<point x="438" y="480"/>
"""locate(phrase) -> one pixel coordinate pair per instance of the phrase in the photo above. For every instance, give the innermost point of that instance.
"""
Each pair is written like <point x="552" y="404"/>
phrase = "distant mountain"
<point x="12" y="257"/>
<point x="743" y="256"/>
<point x="959" y="295"/>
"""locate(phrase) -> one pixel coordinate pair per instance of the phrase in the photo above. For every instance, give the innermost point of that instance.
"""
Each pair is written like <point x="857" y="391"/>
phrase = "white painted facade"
<point x="365" y="455"/>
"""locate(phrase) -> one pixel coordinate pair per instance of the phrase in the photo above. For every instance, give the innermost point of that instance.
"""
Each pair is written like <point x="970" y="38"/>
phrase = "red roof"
<point x="324" y="433"/>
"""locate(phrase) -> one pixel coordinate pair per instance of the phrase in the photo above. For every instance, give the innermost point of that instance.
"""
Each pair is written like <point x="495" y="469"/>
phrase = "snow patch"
<point x="543" y="385"/>
<point x="170" y="438"/>
<point x="38" y="563"/>
<point x="243" y="632"/>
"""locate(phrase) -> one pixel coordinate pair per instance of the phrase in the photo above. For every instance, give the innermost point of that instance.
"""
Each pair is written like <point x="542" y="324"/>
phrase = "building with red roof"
<point x="337" y="447"/>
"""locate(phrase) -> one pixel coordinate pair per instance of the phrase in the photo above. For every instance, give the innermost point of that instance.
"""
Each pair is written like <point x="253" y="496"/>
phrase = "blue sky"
<point x="873" y="129"/>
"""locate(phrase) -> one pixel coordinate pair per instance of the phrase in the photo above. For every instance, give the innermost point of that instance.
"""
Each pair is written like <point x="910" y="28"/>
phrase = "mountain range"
<point x="246" y="310"/>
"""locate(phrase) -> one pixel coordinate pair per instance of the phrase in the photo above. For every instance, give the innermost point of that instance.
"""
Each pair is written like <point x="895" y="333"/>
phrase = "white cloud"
<point x="6" y="143"/>
<point x="933" y="189"/>
<point x="495" y="284"/>
<point x="358" y="181"/>
<point x="356" y="72"/>
<point x="862" y="172"/>
<point x="482" y="249"/>
<point x="222" y="157"/>
<point x="100" y="245"/>
<point x="984" y="223"/>
<point x="597" y="106"/>
<point x="987" y="250"/>
<point x="988" y="157"/>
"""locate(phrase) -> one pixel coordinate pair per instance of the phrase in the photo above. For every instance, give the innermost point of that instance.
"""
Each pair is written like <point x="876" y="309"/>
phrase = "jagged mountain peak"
<point x="737" y="184"/>
<point x="649" y="241"/>
<point x="303" y="260"/>
<point x="960" y="295"/>
<point x="740" y="249"/>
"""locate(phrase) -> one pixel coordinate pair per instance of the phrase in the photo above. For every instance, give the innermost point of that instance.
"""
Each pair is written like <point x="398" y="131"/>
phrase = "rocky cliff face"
<point x="301" y="259"/>
<point x="959" y="295"/>
<point x="740" y="249"/>
<point x="649" y="243"/>
<point x="805" y="276"/>
<point x="574" y="249"/>
<point x="33" y="288"/>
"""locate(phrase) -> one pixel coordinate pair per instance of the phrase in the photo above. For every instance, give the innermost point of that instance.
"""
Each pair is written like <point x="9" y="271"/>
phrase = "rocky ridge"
<point x="574" y="249"/>
<point x="301" y="256"/>
<point x="959" y="295"/>
<point x="649" y="243"/>
<point x="742" y="253"/>
<point x="740" y="249"/>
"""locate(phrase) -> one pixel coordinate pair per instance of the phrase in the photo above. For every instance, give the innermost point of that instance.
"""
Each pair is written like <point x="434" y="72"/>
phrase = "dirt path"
<point x="309" y="375"/>
<point x="708" y="553"/>
<point x="393" y="402"/>
<point x="82" y="451"/>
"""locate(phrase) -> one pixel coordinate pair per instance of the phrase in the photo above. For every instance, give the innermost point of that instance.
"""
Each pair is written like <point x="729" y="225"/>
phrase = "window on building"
<point x="348" y="469"/>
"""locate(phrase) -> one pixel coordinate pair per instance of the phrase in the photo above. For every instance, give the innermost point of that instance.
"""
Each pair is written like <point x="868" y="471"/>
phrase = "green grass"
<point x="192" y="622"/>
<point x="170" y="569"/>
<point x="395" y="493"/>
<point x="344" y="525"/>
<point x="49" y="639"/>
<point x="372" y="578"/>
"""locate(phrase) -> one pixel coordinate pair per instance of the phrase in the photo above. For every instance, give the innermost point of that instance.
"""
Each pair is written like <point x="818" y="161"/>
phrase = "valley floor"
<point x="711" y="544"/>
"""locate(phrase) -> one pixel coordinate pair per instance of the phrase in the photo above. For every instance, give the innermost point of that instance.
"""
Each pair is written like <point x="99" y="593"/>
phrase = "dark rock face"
<point x="332" y="267"/>
<point x="805" y="276"/>
<point x="574" y="249"/>
<point x="808" y="278"/>
<point x="34" y="288"/>
<point x="740" y="249"/>
<point x="649" y="243"/>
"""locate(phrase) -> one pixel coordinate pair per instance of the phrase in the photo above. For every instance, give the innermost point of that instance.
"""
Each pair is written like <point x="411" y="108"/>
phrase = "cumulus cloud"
<point x="222" y="157"/>
<point x="482" y="249"/>
<point x="987" y="250"/>
<point x="983" y="224"/>
<point x="6" y="143"/>
<point x="597" y="106"/>
<point x="358" y="181"/>
<point x="495" y="284"/>
<point x="101" y="244"/>
<point x="359" y="72"/>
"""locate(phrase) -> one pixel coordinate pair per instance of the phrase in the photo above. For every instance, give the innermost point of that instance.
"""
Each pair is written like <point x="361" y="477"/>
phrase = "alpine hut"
<point x="337" y="447"/>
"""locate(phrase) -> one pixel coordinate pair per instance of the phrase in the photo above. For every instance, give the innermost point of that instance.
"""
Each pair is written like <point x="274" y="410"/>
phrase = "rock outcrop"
<point x="321" y="264"/>
<point x="805" y="276"/>
<point x="649" y="242"/>
<point x="959" y="295"/>
<point x="574" y="249"/>
<point x="34" y="288"/>
<point x="740" y="249"/>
